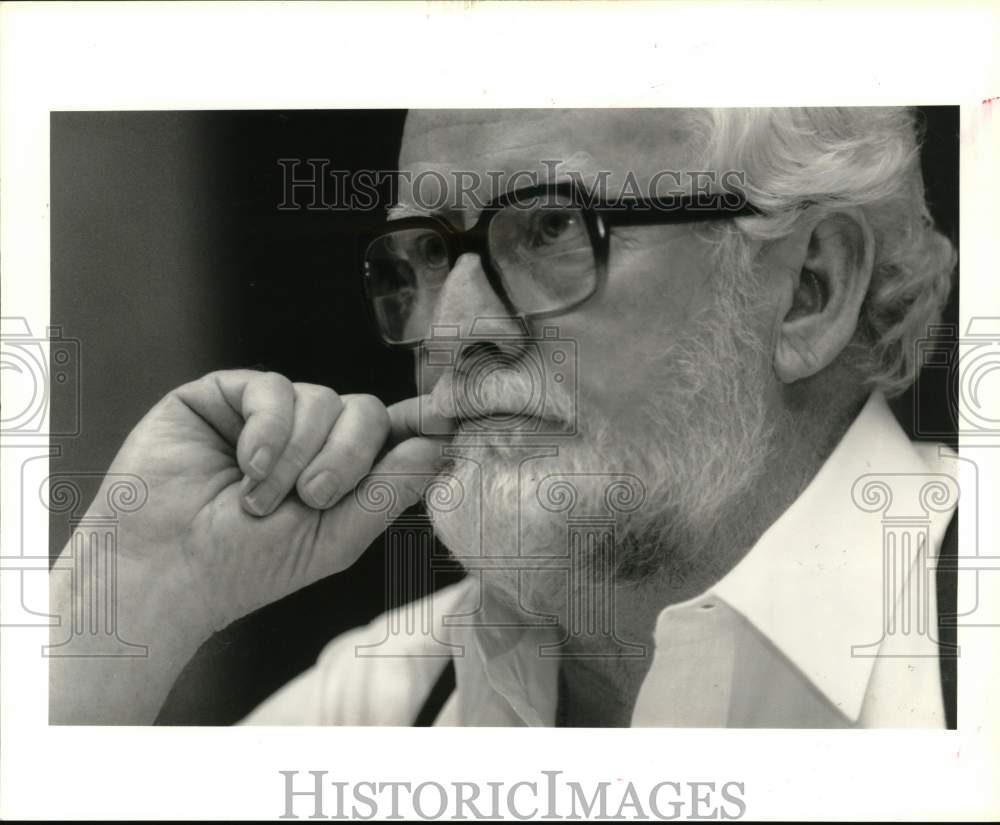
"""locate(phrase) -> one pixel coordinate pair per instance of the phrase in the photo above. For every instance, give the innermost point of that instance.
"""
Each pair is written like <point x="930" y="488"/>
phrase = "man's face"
<point x="671" y="378"/>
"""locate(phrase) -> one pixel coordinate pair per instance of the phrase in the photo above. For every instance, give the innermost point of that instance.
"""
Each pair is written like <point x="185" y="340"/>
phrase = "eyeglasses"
<point x="544" y="251"/>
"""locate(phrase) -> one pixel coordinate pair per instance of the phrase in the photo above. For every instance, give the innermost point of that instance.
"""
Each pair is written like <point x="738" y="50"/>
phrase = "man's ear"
<point x="829" y="280"/>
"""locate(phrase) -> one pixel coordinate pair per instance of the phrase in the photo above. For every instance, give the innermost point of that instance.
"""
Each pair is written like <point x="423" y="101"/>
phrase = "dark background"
<point x="170" y="259"/>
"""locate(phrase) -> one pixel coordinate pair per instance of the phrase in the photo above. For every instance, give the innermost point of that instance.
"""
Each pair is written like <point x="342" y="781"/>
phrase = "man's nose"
<point x="471" y="306"/>
<point x="470" y="318"/>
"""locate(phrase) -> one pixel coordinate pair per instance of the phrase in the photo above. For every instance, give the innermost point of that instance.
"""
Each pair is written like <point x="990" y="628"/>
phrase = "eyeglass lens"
<point x="540" y="247"/>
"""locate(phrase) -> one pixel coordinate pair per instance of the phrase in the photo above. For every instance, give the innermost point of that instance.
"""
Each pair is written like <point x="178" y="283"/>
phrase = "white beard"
<point x="701" y="444"/>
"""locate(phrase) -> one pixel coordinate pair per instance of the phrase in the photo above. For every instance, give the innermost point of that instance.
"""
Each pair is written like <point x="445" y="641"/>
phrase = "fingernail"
<point x="321" y="489"/>
<point x="259" y="502"/>
<point x="260" y="462"/>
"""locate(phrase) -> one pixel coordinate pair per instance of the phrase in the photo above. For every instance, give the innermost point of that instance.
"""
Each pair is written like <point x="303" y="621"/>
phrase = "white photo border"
<point x="139" y="56"/>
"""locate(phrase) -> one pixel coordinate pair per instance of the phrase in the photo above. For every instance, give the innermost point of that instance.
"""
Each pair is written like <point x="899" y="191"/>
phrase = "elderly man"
<point x="728" y="335"/>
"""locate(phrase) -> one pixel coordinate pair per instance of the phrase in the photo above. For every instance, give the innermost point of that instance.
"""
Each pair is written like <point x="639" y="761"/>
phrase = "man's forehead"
<point x="512" y="139"/>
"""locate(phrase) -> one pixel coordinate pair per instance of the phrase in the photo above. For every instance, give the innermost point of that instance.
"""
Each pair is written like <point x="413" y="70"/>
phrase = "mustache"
<point x="501" y="389"/>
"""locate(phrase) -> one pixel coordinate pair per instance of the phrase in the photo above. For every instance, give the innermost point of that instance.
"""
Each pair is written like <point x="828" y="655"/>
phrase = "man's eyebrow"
<point x="397" y="211"/>
<point x="545" y="167"/>
<point x="400" y="211"/>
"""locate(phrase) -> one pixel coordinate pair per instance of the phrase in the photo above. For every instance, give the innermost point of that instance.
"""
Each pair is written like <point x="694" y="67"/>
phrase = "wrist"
<point x="126" y="631"/>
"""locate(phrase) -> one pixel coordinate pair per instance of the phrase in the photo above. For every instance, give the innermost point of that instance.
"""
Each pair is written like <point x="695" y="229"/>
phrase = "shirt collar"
<point x="813" y="583"/>
<point x="502" y="678"/>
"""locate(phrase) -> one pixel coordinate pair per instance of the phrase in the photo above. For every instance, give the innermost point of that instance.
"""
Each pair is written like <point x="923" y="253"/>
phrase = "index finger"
<point x="250" y="409"/>
<point x="416" y="418"/>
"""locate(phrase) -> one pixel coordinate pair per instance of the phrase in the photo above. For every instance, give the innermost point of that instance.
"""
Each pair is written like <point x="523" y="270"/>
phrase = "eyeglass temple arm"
<point x="670" y="211"/>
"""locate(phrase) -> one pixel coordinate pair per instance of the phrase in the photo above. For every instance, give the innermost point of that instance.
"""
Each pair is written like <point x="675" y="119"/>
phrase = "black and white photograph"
<point x="640" y="435"/>
<point x="638" y="470"/>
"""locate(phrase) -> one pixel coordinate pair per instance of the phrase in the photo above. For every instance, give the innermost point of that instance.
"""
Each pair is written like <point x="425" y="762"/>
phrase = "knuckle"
<point x="207" y="381"/>
<point x="295" y="457"/>
<point x="271" y="420"/>
<point x="317" y="393"/>
<point x="276" y="382"/>
<point x="213" y="377"/>
<point x="333" y="483"/>
<point x="301" y="486"/>
<point x="222" y="374"/>
<point x="354" y="455"/>
<point x="373" y="411"/>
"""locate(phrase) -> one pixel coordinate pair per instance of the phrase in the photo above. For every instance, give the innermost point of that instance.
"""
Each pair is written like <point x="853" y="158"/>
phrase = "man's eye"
<point x="554" y="226"/>
<point x="432" y="251"/>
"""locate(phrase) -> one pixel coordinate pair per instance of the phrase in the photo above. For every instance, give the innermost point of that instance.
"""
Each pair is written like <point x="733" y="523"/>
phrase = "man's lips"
<point x="513" y="421"/>
<point x="495" y="409"/>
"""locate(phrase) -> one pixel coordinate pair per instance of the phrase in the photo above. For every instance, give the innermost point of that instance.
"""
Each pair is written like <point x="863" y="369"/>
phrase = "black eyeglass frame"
<point x="599" y="218"/>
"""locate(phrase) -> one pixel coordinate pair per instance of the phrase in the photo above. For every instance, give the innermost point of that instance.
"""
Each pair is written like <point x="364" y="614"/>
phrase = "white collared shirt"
<point x="828" y="621"/>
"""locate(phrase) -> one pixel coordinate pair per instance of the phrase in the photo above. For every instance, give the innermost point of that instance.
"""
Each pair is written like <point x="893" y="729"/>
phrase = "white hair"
<point x="830" y="158"/>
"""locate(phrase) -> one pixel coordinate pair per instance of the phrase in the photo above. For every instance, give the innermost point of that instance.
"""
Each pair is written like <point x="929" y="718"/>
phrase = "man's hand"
<point x="251" y="496"/>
